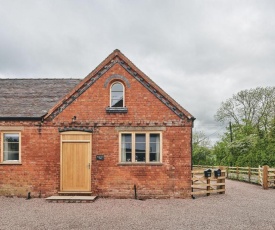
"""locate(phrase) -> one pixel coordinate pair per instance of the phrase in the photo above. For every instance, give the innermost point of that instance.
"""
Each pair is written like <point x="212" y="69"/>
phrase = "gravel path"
<point x="244" y="206"/>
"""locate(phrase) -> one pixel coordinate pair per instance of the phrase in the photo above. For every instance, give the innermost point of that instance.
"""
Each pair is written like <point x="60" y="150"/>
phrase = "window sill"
<point x="10" y="163"/>
<point x="116" y="110"/>
<point x="140" y="163"/>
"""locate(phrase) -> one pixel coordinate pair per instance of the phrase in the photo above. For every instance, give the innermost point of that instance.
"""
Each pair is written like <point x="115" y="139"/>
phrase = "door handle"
<point x="89" y="165"/>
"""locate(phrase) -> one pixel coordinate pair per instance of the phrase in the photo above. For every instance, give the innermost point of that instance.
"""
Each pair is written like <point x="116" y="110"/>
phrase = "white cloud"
<point x="200" y="52"/>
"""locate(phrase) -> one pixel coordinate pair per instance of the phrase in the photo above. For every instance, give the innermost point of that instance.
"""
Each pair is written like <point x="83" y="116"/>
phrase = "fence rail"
<point x="264" y="175"/>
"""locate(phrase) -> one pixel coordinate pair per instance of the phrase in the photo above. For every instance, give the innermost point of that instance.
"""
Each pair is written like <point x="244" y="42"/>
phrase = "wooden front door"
<point x="75" y="162"/>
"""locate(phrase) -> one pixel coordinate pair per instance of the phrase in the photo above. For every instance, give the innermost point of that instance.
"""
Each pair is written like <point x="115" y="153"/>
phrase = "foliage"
<point x="202" y="153"/>
<point x="252" y="115"/>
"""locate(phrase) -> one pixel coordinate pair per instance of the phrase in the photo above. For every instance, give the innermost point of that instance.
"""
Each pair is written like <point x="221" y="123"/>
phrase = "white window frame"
<point x="147" y="152"/>
<point x="117" y="82"/>
<point x="2" y="161"/>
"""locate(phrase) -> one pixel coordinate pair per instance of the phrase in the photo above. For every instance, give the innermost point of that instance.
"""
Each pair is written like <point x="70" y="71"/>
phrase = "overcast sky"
<point x="199" y="52"/>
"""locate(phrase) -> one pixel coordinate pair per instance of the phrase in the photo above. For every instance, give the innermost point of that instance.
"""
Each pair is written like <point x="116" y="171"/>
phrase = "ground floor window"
<point x="140" y="147"/>
<point x="10" y="147"/>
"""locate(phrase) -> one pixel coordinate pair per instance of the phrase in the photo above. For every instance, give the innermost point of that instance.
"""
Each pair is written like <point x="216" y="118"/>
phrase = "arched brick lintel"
<point x="117" y="76"/>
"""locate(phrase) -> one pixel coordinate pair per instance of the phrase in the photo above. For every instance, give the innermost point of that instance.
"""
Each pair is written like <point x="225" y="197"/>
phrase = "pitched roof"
<point x="116" y="57"/>
<point x="32" y="97"/>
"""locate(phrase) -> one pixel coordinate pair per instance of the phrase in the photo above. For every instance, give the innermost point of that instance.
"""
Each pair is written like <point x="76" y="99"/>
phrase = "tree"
<point x="249" y="107"/>
<point x="202" y="153"/>
<point x="252" y="113"/>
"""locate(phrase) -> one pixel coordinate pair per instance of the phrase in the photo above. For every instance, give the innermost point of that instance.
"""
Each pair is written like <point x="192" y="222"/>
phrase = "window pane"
<point x="153" y="157"/>
<point x="154" y="147"/>
<point x="117" y="103"/>
<point x="8" y="156"/>
<point x="117" y="87"/>
<point x="127" y="137"/>
<point x="11" y="137"/>
<point x="126" y="147"/>
<point x="140" y="147"/>
<point x="117" y="95"/>
<point x="140" y="138"/>
<point x="154" y="137"/>
<point x="140" y="157"/>
<point x="129" y="157"/>
<point x="11" y="146"/>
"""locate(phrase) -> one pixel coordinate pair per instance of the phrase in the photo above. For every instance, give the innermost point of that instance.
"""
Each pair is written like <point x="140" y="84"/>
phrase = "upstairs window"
<point x="117" y="95"/>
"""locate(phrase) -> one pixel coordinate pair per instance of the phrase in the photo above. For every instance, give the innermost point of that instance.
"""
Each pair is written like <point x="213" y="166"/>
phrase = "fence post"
<point x="222" y="180"/>
<point x="208" y="186"/>
<point x="227" y="169"/>
<point x="249" y="174"/>
<point x="265" y="177"/>
<point x="237" y="170"/>
<point x="259" y="175"/>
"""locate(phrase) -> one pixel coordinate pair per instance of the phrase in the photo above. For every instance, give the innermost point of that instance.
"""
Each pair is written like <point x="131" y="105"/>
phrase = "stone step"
<point x="71" y="199"/>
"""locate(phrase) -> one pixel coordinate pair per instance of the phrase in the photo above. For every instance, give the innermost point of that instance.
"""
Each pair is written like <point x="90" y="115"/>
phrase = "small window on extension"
<point x="10" y="147"/>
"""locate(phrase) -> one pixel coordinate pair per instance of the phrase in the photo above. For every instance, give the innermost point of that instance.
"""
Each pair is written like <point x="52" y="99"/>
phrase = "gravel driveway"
<point x="244" y="206"/>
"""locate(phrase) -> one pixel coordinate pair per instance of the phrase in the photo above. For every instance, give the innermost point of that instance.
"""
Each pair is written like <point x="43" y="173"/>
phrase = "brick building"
<point x="104" y="134"/>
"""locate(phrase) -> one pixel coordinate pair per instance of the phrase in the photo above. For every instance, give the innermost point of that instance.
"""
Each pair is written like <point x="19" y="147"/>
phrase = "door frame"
<point x="89" y="141"/>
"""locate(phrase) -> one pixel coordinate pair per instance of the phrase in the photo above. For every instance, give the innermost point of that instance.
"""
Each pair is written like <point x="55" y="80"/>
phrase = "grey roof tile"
<point x="32" y="97"/>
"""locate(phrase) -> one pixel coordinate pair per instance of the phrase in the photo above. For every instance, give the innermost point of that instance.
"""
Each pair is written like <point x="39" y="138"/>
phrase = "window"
<point x="140" y="147"/>
<point x="11" y="147"/>
<point x="117" y="99"/>
<point x="117" y="95"/>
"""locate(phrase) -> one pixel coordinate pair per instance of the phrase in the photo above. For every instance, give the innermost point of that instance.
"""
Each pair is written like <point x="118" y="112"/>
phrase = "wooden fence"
<point x="207" y="185"/>
<point x="267" y="177"/>
<point x="264" y="175"/>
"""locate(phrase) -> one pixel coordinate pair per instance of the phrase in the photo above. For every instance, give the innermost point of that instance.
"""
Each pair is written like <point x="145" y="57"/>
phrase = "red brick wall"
<point x="142" y="105"/>
<point x="171" y="179"/>
<point x="39" y="172"/>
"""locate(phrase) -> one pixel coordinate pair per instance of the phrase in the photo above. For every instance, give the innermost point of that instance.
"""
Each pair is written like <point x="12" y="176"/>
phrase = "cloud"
<point x="200" y="52"/>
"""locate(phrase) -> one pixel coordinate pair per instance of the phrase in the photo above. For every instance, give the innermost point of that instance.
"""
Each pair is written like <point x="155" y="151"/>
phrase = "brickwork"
<point x="171" y="179"/>
<point x="39" y="171"/>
